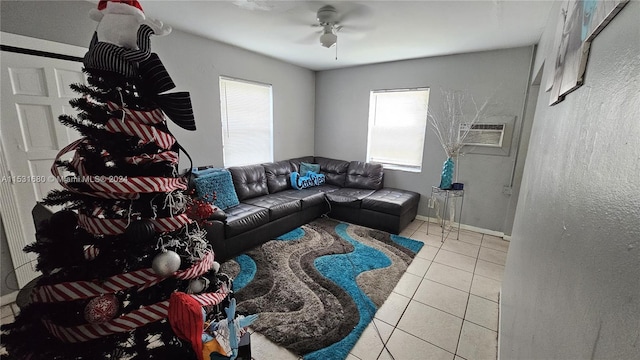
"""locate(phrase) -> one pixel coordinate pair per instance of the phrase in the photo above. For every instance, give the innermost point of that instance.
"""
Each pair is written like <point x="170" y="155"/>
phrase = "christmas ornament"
<point x="166" y="263"/>
<point x="200" y="210"/>
<point x="215" y="267"/>
<point x="65" y="222"/>
<point x="101" y="309"/>
<point x="140" y="230"/>
<point x="198" y="285"/>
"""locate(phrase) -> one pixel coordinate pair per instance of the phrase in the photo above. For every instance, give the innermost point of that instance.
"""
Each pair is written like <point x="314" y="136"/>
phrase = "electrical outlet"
<point x="430" y="203"/>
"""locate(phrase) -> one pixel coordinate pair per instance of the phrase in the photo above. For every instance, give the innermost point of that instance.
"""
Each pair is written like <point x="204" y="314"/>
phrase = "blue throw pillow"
<point x="303" y="182"/>
<point x="220" y="184"/>
<point x="205" y="171"/>
<point x="306" y="167"/>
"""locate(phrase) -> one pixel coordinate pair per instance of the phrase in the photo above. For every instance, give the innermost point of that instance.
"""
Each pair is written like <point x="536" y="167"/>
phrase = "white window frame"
<point x="386" y="129"/>
<point x="251" y="147"/>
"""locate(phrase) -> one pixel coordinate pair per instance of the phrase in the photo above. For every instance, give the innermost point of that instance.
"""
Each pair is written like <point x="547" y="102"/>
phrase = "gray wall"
<point x="198" y="72"/>
<point x="195" y="64"/>
<point x="571" y="286"/>
<point x="60" y="21"/>
<point x="342" y="118"/>
<point x="293" y="94"/>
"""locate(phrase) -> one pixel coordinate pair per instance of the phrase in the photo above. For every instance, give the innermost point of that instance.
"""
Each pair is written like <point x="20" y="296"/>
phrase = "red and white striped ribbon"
<point x="116" y="187"/>
<point x="194" y="271"/>
<point x="56" y="172"/>
<point x="76" y="290"/>
<point x="135" y="319"/>
<point x="100" y="226"/>
<point x="144" y="117"/>
<point x="90" y="252"/>
<point x="170" y="156"/>
<point x="146" y="133"/>
<point x="136" y="185"/>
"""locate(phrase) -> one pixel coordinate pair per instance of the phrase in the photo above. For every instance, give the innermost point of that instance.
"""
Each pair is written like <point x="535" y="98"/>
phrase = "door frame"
<point x="16" y="239"/>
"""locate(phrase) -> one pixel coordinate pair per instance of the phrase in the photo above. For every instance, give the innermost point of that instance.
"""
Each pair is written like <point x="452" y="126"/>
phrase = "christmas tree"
<point x="126" y="242"/>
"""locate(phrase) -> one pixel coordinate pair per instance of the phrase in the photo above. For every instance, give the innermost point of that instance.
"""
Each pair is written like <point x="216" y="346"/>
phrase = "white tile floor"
<point x="444" y="307"/>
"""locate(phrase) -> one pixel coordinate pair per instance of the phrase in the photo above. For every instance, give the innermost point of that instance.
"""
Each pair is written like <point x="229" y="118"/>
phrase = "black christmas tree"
<point x="125" y="241"/>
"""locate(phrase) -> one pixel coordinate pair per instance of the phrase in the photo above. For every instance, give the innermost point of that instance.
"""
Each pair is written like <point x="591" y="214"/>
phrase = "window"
<point x="397" y="126"/>
<point x="247" y="122"/>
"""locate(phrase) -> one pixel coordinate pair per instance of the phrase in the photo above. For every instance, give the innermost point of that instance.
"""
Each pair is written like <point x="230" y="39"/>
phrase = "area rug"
<point x="317" y="287"/>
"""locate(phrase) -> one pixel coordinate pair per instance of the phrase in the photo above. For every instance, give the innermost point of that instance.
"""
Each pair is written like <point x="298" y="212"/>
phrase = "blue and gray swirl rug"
<point x="317" y="287"/>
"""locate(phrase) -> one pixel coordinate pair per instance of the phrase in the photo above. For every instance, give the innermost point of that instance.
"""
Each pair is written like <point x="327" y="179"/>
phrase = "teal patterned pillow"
<point x="306" y="167"/>
<point x="220" y="184"/>
<point x="204" y="171"/>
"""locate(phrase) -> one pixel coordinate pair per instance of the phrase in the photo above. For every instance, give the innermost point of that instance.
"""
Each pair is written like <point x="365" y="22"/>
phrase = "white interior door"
<point x="34" y="92"/>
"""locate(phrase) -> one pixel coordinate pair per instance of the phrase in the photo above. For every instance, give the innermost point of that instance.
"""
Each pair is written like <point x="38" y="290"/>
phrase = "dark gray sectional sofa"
<point x="269" y="206"/>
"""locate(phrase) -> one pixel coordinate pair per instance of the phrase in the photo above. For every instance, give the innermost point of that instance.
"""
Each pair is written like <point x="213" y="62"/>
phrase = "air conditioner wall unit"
<point x="490" y="135"/>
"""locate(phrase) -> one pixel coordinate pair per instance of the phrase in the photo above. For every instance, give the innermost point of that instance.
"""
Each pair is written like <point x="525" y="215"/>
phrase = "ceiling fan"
<point x="328" y="18"/>
<point x="331" y="21"/>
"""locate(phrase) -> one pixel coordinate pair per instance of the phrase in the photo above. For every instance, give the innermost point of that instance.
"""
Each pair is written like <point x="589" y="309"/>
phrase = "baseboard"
<point x="9" y="298"/>
<point x="470" y="228"/>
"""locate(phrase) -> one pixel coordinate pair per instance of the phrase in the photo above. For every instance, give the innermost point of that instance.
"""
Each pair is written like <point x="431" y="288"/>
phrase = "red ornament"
<point x="199" y="210"/>
<point x="101" y="309"/>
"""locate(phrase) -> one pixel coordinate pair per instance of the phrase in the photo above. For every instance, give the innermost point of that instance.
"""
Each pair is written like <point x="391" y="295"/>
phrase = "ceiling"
<point x="373" y="32"/>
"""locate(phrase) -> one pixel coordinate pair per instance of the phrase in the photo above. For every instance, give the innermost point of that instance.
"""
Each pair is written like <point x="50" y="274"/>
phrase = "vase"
<point x="446" y="178"/>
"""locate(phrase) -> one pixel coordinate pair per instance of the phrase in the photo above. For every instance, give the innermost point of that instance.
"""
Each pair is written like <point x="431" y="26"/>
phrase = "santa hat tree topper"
<point x="121" y="7"/>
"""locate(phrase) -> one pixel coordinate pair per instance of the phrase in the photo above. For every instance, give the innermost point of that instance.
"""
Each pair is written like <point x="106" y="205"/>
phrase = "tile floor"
<point x="444" y="307"/>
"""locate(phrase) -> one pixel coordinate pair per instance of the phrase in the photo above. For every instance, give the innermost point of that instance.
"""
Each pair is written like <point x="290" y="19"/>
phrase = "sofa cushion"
<point x="277" y="204"/>
<point x="349" y="197"/>
<point x="363" y="175"/>
<point x="310" y="197"/>
<point x="244" y="217"/>
<point x="391" y="201"/>
<point x="334" y="170"/>
<point x="278" y="175"/>
<point x="250" y="181"/>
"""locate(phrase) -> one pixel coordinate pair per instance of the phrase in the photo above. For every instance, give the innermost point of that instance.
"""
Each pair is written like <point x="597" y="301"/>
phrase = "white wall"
<point x="342" y="105"/>
<point x="571" y="286"/>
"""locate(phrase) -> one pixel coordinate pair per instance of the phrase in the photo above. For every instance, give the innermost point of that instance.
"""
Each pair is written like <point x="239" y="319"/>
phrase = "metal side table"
<point x="446" y="194"/>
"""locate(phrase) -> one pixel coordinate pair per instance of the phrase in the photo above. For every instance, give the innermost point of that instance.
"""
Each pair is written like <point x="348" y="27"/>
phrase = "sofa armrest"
<point x="218" y="215"/>
<point x="215" y="237"/>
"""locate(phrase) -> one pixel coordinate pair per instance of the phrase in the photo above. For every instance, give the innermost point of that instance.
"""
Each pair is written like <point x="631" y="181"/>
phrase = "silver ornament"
<point x="166" y="263"/>
<point x="198" y="285"/>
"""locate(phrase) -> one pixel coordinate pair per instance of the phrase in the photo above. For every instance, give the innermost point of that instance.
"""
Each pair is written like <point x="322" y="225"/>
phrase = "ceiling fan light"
<point x="328" y="39"/>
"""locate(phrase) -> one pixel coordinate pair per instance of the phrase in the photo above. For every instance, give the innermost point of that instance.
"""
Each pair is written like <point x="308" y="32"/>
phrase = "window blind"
<point x="247" y="122"/>
<point x="397" y="126"/>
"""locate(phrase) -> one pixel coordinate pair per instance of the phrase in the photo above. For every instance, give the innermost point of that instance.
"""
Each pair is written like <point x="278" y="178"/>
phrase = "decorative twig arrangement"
<point x="447" y="123"/>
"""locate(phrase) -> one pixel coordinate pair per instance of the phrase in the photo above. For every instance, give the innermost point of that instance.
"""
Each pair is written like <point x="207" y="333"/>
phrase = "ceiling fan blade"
<point x="310" y="39"/>
<point x="352" y="29"/>
<point x="354" y="13"/>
